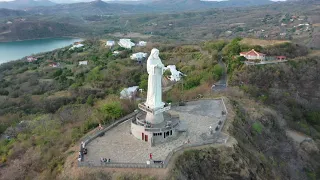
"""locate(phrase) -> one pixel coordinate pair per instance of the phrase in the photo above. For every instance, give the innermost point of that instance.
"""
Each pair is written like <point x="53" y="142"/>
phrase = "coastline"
<point x="71" y="37"/>
<point x="23" y="54"/>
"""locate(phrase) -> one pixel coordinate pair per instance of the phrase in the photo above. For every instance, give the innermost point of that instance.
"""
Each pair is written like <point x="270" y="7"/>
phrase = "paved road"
<point x="222" y="83"/>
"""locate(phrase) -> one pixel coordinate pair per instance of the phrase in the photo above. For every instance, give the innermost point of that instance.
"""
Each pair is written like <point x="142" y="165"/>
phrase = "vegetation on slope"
<point x="45" y="110"/>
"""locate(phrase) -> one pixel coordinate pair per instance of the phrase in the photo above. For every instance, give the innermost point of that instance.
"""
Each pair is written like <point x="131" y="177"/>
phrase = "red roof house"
<point x="253" y="55"/>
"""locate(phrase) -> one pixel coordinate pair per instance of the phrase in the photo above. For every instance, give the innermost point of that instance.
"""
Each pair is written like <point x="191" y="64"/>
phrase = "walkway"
<point x="222" y="83"/>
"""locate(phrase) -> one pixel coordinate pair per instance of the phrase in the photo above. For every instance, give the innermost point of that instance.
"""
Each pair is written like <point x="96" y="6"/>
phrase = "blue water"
<point x="16" y="50"/>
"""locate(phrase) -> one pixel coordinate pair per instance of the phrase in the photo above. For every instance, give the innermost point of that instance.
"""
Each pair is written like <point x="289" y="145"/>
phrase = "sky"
<point x="70" y="1"/>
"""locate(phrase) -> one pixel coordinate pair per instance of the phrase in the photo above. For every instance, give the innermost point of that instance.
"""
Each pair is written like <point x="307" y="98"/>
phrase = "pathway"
<point x="222" y="83"/>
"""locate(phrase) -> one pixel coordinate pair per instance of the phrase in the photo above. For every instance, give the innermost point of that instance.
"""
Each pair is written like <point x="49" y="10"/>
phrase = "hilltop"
<point x="46" y="109"/>
<point x="23" y="4"/>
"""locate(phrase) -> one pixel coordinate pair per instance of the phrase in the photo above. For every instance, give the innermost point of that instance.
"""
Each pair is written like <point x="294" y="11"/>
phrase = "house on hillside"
<point x="138" y="56"/>
<point x="31" y="59"/>
<point x="83" y="63"/>
<point x="76" y="45"/>
<point x="126" y="43"/>
<point x="253" y="55"/>
<point x="54" y="65"/>
<point x="110" y="43"/>
<point x="129" y="93"/>
<point x="115" y="53"/>
<point x="142" y="43"/>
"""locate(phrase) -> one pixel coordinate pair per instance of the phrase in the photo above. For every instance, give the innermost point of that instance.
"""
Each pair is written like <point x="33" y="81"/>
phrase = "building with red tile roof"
<point x="253" y="55"/>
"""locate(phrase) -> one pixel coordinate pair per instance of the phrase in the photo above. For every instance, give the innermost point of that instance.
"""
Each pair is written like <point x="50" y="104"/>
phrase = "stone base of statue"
<point x="155" y="133"/>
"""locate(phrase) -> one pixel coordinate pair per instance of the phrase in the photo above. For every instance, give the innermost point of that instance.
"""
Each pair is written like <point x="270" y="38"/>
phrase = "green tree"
<point x="313" y="117"/>
<point x="94" y="74"/>
<point x="90" y="100"/>
<point x="218" y="70"/>
<point x="112" y="110"/>
<point x="144" y="82"/>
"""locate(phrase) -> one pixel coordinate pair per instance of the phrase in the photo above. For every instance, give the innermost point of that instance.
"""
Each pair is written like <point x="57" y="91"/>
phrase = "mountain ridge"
<point x="99" y="7"/>
<point x="23" y="4"/>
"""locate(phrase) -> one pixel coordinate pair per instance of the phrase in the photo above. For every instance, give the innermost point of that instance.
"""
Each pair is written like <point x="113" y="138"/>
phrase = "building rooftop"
<point x="252" y="53"/>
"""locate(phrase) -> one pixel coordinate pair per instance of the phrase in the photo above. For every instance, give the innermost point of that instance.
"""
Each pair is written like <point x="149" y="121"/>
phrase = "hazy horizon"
<point x="73" y="1"/>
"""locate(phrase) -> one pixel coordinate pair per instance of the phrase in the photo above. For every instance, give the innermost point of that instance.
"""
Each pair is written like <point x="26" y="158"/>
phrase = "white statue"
<point x="155" y="70"/>
<point x="154" y="95"/>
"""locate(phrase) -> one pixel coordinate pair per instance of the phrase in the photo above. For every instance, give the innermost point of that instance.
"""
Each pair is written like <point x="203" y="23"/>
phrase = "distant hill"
<point x="22" y="30"/>
<point x="10" y="12"/>
<point x="99" y="7"/>
<point x="23" y="4"/>
<point x="183" y="5"/>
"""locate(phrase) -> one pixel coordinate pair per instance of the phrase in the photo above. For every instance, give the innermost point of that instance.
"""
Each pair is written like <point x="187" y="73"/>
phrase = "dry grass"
<point x="316" y="25"/>
<point x="131" y="35"/>
<point x="261" y="42"/>
<point x="315" y="53"/>
<point x="60" y="94"/>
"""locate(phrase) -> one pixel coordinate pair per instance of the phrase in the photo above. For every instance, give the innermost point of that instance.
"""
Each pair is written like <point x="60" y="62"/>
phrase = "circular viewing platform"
<point x="154" y="133"/>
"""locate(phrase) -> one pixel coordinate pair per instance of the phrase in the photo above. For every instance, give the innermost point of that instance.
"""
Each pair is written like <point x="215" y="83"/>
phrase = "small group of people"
<point x="105" y="160"/>
<point x="100" y="127"/>
<point x="83" y="151"/>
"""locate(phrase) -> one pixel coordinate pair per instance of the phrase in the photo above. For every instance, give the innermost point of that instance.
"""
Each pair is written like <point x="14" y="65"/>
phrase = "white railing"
<point x="144" y="108"/>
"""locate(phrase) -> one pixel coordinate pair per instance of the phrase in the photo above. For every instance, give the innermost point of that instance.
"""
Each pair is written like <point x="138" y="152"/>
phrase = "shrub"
<point x="257" y="127"/>
<point x="218" y="70"/>
<point x="4" y="92"/>
<point x="112" y="110"/>
<point x="192" y="81"/>
<point x="90" y="100"/>
<point x="313" y="117"/>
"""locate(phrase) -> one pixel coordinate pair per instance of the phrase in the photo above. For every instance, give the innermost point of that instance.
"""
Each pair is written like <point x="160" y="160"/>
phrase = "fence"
<point x="121" y="165"/>
<point x="89" y="138"/>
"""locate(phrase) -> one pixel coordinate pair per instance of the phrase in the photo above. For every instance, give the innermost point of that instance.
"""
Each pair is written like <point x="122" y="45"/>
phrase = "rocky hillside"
<point x="291" y="88"/>
<point x="10" y="13"/>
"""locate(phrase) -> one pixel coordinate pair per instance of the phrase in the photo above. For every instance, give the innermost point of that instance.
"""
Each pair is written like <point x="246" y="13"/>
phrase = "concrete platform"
<point x="120" y="146"/>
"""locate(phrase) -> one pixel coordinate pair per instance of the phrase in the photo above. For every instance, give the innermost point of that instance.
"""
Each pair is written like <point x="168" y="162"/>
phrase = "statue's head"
<point x="155" y="53"/>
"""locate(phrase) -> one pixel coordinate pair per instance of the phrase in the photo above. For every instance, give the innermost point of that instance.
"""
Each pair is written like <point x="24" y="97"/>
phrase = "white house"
<point x="54" y="65"/>
<point x="83" y="62"/>
<point x="115" y="53"/>
<point x="126" y="43"/>
<point x="253" y="55"/>
<point x="142" y="43"/>
<point x="138" y="56"/>
<point x="31" y="59"/>
<point x="76" y="46"/>
<point x="128" y="93"/>
<point x="110" y="43"/>
<point x="175" y="74"/>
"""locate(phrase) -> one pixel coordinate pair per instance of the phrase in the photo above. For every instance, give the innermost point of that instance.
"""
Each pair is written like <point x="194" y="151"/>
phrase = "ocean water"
<point x="10" y="51"/>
